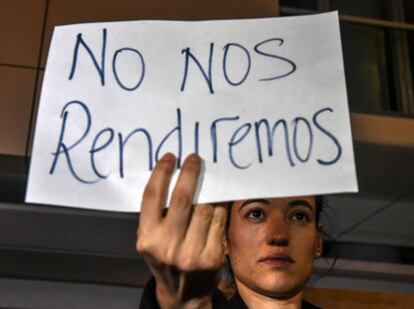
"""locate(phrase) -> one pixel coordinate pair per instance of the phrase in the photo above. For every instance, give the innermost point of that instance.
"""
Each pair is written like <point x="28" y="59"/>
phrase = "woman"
<point x="270" y="243"/>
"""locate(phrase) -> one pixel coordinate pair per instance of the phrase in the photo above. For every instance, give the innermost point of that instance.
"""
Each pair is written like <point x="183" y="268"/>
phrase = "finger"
<point x="181" y="204"/>
<point x="196" y="235"/>
<point x="214" y="245"/>
<point x="155" y="192"/>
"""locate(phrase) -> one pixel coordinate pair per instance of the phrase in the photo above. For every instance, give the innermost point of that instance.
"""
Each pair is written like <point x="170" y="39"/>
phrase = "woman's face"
<point x="272" y="243"/>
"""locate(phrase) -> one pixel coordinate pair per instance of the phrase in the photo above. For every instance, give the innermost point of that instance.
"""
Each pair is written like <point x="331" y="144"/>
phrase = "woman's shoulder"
<point x="236" y="302"/>
<point x="219" y="300"/>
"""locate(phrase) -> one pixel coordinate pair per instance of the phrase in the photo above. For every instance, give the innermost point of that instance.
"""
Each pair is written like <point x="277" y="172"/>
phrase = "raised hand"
<point x="184" y="248"/>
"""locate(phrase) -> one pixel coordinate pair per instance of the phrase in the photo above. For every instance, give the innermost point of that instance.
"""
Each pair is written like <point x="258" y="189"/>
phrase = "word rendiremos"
<point x="263" y="131"/>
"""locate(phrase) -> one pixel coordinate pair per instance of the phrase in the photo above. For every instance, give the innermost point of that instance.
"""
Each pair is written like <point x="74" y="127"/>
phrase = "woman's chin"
<point x="282" y="286"/>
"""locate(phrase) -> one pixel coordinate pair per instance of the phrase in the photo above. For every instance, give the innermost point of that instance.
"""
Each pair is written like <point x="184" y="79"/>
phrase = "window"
<point x="376" y="50"/>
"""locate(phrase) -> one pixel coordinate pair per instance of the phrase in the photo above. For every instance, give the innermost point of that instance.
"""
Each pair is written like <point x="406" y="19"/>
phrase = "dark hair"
<point x="319" y="205"/>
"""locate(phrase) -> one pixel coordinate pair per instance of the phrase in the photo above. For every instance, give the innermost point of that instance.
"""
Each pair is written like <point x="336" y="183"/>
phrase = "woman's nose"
<point x="277" y="231"/>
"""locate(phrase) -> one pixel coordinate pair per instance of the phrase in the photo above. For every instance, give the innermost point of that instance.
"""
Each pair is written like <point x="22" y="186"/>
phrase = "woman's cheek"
<point x="305" y="243"/>
<point x="243" y="241"/>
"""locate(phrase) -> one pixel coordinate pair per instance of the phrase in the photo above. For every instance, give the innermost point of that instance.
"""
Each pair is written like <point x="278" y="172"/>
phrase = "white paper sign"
<point x="263" y="101"/>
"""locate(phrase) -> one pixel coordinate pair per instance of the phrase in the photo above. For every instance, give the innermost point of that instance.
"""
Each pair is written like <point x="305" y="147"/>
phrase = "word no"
<point x="261" y="48"/>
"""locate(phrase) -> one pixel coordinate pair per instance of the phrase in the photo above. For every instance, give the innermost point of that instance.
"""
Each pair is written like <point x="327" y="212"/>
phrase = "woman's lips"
<point x="277" y="259"/>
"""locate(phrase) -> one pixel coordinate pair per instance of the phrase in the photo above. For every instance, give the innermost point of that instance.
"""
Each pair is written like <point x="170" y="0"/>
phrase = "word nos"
<point x="263" y="133"/>
<point x="260" y="49"/>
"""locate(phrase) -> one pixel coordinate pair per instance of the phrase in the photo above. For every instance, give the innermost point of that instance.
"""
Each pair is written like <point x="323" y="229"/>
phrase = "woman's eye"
<point x="300" y="217"/>
<point x="255" y="214"/>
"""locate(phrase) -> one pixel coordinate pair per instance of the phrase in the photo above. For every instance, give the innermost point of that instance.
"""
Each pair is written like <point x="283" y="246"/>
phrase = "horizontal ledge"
<point x="56" y="266"/>
<point x="383" y="130"/>
<point x="365" y="269"/>
<point x="354" y="19"/>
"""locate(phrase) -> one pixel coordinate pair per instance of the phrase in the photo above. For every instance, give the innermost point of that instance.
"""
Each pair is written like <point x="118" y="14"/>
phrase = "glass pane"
<point x="366" y="58"/>
<point x="365" y="68"/>
<point x="409" y="18"/>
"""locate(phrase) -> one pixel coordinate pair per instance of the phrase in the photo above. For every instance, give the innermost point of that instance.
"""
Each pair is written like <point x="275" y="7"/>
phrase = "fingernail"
<point x="168" y="157"/>
<point x="195" y="158"/>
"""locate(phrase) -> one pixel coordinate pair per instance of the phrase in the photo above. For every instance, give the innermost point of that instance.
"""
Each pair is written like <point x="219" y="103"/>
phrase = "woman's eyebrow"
<point x="303" y="203"/>
<point x="247" y="202"/>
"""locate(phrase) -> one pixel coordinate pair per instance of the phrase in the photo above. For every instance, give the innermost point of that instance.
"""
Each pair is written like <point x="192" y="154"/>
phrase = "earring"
<point x="318" y="254"/>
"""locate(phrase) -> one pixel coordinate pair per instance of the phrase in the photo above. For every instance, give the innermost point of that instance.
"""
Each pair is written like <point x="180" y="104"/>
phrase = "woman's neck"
<point x="255" y="300"/>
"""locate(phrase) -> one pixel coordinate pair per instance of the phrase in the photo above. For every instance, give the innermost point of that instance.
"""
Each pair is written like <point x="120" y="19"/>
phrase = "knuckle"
<point x="213" y="261"/>
<point x="142" y="246"/>
<point x="219" y="221"/>
<point x="205" y="208"/>
<point x="170" y="255"/>
<point x="187" y="263"/>
<point x="205" y="211"/>
<point x="139" y="246"/>
<point x="145" y="244"/>
<point x="180" y="198"/>
<point x="151" y="192"/>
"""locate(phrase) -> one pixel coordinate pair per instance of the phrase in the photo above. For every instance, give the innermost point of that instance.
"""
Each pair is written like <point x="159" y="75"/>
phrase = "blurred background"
<point x="53" y="257"/>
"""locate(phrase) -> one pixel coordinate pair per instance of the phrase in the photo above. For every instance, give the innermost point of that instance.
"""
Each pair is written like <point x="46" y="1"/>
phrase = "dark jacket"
<point x="149" y="300"/>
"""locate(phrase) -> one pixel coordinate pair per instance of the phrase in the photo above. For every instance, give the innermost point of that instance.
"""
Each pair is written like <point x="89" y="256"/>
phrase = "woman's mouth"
<point x="277" y="259"/>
